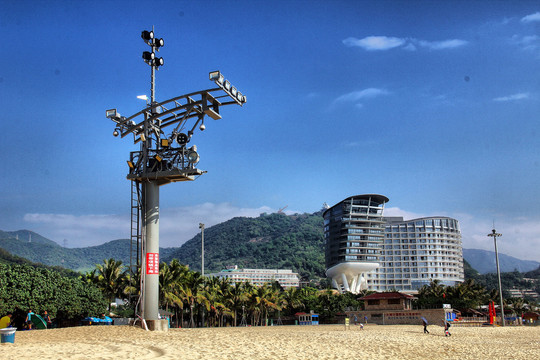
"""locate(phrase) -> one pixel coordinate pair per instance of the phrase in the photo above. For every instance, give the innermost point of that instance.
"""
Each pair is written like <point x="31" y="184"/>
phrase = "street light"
<point x="201" y="226"/>
<point x="495" y="235"/>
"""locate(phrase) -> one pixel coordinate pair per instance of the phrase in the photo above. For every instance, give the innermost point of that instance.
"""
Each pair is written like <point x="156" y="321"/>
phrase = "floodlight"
<point x="130" y="164"/>
<point x="158" y="61"/>
<point x="193" y="157"/>
<point x="158" y="42"/>
<point x="142" y="97"/>
<point x="217" y="77"/>
<point x="115" y="132"/>
<point x="110" y="113"/>
<point x="241" y="97"/>
<point x="182" y="139"/>
<point x="147" y="56"/>
<point x="227" y="85"/>
<point x="147" y="35"/>
<point x="234" y="91"/>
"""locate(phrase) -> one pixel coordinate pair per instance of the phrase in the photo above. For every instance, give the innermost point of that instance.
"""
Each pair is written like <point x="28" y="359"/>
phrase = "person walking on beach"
<point x="446" y="328"/>
<point x="425" y="323"/>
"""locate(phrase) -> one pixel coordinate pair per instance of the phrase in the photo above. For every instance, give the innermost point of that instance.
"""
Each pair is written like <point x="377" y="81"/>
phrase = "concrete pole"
<point x="151" y="224"/>
<point x="499" y="278"/>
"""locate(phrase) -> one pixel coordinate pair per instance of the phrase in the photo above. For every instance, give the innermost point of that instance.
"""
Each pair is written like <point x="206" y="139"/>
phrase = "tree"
<point x="66" y="298"/>
<point x="110" y="279"/>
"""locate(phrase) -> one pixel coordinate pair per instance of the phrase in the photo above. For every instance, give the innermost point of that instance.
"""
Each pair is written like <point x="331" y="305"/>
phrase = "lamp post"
<point x="495" y="235"/>
<point x="160" y="162"/>
<point x="201" y="226"/>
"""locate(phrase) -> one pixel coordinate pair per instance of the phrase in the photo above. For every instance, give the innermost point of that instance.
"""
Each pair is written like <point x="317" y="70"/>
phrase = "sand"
<point x="276" y="342"/>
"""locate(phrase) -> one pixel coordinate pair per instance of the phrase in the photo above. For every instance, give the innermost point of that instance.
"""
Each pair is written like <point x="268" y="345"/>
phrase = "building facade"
<point x="418" y="251"/>
<point x="259" y="277"/>
<point x="353" y="236"/>
<point x="365" y="250"/>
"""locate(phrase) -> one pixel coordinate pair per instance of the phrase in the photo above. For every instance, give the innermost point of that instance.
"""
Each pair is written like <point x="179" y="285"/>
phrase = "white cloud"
<point x="407" y="215"/>
<point x="520" y="96"/>
<point x="531" y="17"/>
<point x="374" y="43"/>
<point x="441" y="45"/>
<point x="362" y="94"/>
<point x="520" y="236"/>
<point x="177" y="225"/>
<point x="528" y="42"/>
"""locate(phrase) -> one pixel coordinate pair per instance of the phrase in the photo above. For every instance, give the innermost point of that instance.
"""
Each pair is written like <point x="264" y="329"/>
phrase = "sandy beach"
<point x="277" y="342"/>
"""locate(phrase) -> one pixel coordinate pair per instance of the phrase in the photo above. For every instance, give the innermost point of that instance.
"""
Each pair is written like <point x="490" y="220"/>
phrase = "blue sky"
<point x="434" y="104"/>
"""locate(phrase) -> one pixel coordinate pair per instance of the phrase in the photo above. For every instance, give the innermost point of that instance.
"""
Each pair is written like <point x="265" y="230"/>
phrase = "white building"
<point x="418" y="251"/>
<point x="258" y="277"/>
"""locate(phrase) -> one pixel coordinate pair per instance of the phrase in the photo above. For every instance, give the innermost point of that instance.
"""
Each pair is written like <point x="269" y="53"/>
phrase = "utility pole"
<point x="495" y="235"/>
<point x="201" y="226"/>
<point x="160" y="162"/>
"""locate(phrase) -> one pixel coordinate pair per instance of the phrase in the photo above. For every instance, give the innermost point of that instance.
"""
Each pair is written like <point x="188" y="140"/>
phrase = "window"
<point x="374" y="302"/>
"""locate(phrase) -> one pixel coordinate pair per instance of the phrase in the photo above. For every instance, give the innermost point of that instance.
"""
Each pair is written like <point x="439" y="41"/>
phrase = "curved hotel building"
<point x="365" y="250"/>
<point x="418" y="251"/>
<point x="353" y="234"/>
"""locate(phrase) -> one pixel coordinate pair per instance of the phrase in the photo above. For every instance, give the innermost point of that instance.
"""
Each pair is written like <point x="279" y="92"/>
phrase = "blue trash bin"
<point x="7" y="335"/>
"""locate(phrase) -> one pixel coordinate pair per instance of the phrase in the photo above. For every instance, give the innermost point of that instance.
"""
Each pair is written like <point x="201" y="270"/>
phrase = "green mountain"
<point x="274" y="241"/>
<point x="38" y="249"/>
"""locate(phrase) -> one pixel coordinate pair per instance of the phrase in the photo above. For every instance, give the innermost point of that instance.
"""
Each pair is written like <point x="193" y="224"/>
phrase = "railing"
<point x="470" y="321"/>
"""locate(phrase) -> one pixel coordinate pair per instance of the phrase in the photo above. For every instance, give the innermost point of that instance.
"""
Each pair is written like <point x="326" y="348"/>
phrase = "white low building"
<point x="258" y="277"/>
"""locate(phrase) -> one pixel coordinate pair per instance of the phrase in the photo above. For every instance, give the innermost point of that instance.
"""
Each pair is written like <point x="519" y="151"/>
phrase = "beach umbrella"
<point x="424" y="319"/>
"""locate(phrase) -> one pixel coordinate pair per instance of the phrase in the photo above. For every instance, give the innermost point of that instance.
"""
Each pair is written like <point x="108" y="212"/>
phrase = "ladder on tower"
<point x="135" y="239"/>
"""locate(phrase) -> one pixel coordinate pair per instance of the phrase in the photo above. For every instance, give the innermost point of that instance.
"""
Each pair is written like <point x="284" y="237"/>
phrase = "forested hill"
<point x="274" y="241"/>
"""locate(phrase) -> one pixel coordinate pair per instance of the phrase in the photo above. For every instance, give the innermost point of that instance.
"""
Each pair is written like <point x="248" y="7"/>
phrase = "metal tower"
<point x="163" y="159"/>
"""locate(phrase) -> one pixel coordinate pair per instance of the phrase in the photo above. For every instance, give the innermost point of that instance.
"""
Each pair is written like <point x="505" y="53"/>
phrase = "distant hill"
<point x="45" y="251"/>
<point x="484" y="262"/>
<point x="274" y="241"/>
<point x="26" y="236"/>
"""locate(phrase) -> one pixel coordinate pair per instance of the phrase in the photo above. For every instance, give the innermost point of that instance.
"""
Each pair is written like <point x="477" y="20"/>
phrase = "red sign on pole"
<point x="152" y="263"/>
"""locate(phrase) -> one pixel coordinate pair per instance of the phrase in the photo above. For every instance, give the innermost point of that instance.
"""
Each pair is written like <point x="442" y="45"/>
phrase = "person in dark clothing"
<point x="447" y="329"/>
<point x="424" y="321"/>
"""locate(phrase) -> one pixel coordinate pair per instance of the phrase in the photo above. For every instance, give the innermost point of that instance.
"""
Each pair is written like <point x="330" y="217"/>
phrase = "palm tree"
<point x="264" y="299"/>
<point x="169" y="281"/>
<point x="292" y="300"/>
<point x="235" y="297"/>
<point x="110" y="279"/>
